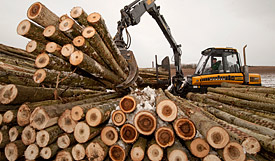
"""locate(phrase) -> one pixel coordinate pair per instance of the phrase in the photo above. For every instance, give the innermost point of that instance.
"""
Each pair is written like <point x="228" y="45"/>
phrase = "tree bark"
<point x="32" y="152"/>
<point x="96" y="20"/>
<point x="128" y="133"/>
<point x="55" y="35"/>
<point x="119" y="151"/>
<point x="35" y="47"/>
<point x="118" y="117"/>
<point x="154" y="151"/>
<point x="31" y="31"/>
<point x="25" y="63"/>
<point x="145" y="122"/>
<point x="80" y="16"/>
<point x="128" y="104"/>
<point x="83" y="132"/>
<point x="47" y="136"/>
<point x="138" y="149"/>
<point x="49" y="151"/>
<point x="70" y="28"/>
<point x="97" y="150"/>
<point x="28" y="135"/>
<point x="40" y="14"/>
<point x="177" y="152"/>
<point x="4" y="138"/>
<point x="65" y="140"/>
<point x="15" y="150"/>
<point x="66" y="123"/>
<point x="97" y="43"/>
<point x="109" y="135"/>
<point x="15" y="133"/>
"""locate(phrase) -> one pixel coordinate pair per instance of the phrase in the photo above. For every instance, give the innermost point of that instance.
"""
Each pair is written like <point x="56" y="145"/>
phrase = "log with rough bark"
<point x="138" y="149"/>
<point x="128" y="104"/>
<point x="9" y="116"/>
<point x="67" y="50"/>
<point x="88" y="64"/>
<point x="54" y="49"/>
<point x="109" y="135"/>
<point x="40" y="14"/>
<point x="119" y="151"/>
<point x="165" y="136"/>
<point x="184" y="128"/>
<point x="70" y="28"/>
<point x="177" y="152"/>
<point x="97" y="150"/>
<point x="35" y="47"/>
<point x="65" y="154"/>
<point x="83" y="132"/>
<point x="15" y="52"/>
<point x="65" y="140"/>
<point x="128" y="133"/>
<point x="233" y="85"/>
<point x="165" y="108"/>
<point x="15" y="133"/>
<point x="28" y="135"/>
<point x="198" y="147"/>
<point x="32" y="152"/>
<point x="47" y="136"/>
<point x="154" y="151"/>
<point x="16" y="61"/>
<point x="97" y="43"/>
<point x="55" y="35"/>
<point x="49" y="151"/>
<point x="4" y="138"/>
<point x="65" y="122"/>
<point x="118" y="117"/>
<point x="31" y="31"/>
<point x="233" y="151"/>
<point x="145" y="122"/>
<point x="80" y="16"/>
<point x="15" y="150"/>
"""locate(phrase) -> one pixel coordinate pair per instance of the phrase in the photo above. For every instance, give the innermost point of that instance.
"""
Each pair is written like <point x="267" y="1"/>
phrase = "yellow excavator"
<point x="216" y="65"/>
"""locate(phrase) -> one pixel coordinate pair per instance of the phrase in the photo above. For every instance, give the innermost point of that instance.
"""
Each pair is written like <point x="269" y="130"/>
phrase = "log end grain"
<point x="64" y="155"/>
<point x="118" y="117"/>
<point x="77" y="113"/>
<point x="34" y="10"/>
<point x="28" y="135"/>
<point x="117" y="153"/>
<point x="76" y="12"/>
<point x="66" y="24"/>
<point x="127" y="104"/>
<point x="128" y="133"/>
<point x="8" y="116"/>
<point x="39" y="76"/>
<point x="88" y="32"/>
<point x="79" y="41"/>
<point x="94" y="17"/>
<point x="13" y="134"/>
<point x="185" y="128"/>
<point x="233" y="151"/>
<point x="46" y="153"/>
<point x="67" y="50"/>
<point x="251" y="145"/>
<point x="42" y="138"/>
<point x="155" y="152"/>
<point x="137" y="153"/>
<point x="39" y="118"/>
<point x="32" y="152"/>
<point x="78" y="152"/>
<point x="23" y="115"/>
<point x="42" y="60"/>
<point x="217" y="137"/>
<point x="63" y="17"/>
<point x="31" y="46"/>
<point x="65" y="122"/>
<point x="1" y="119"/>
<point x="8" y="94"/>
<point x="23" y="27"/>
<point x="165" y="137"/>
<point x="178" y="155"/>
<point x="109" y="135"/>
<point x="52" y="47"/>
<point x="76" y="57"/>
<point x="145" y="122"/>
<point x="167" y="110"/>
<point x="199" y="147"/>
<point x="211" y="157"/>
<point x="63" y="141"/>
<point x="82" y="132"/>
<point x="94" y="117"/>
<point x="49" y="31"/>
<point x="11" y="151"/>
<point x="95" y="151"/>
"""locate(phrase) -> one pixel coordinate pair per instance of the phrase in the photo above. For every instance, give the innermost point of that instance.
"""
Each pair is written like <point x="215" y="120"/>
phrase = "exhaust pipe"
<point x="245" y="67"/>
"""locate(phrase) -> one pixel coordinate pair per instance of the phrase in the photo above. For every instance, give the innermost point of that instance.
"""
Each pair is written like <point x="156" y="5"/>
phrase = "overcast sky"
<point x="195" y="24"/>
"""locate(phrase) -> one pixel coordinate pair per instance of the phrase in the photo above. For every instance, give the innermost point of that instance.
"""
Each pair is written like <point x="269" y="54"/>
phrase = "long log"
<point x="28" y="135"/>
<point x="83" y="132"/>
<point x="32" y="152"/>
<point x="65" y="122"/>
<point x="4" y="138"/>
<point x="154" y="151"/>
<point x="31" y="31"/>
<point x="15" y="133"/>
<point x="67" y="50"/>
<point x="55" y="35"/>
<point x="109" y="135"/>
<point x="138" y="149"/>
<point x="97" y="43"/>
<point x="177" y="152"/>
<point x="165" y="136"/>
<point x="128" y="133"/>
<point x="145" y="122"/>
<point x="9" y="116"/>
<point x="97" y="150"/>
<point x="70" y="28"/>
<point x="16" y="52"/>
<point x="119" y="151"/>
<point x="79" y="15"/>
<point x="96" y="20"/>
<point x="233" y="85"/>
<point x="233" y="151"/>
<point x="15" y="150"/>
<point x="49" y="151"/>
<point x="47" y="136"/>
<point x="35" y="47"/>
<point x="165" y="108"/>
<point x="40" y="14"/>
<point x="65" y="154"/>
<point x="65" y="140"/>
<point x="54" y="49"/>
<point x="88" y="64"/>
<point x="118" y="117"/>
<point x="16" y="61"/>
<point x="198" y="147"/>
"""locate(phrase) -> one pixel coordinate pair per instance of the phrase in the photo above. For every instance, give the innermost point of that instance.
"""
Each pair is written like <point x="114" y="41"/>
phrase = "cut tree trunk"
<point x="119" y="151"/>
<point x="97" y="150"/>
<point x="109" y="135"/>
<point x="80" y="16"/>
<point x="32" y="152"/>
<point x="15" y="133"/>
<point x="35" y="47"/>
<point x="88" y="64"/>
<point x="138" y="149"/>
<point x="128" y="104"/>
<point x="66" y="123"/>
<point x="31" y="31"/>
<point x="233" y="151"/>
<point x="65" y="140"/>
<point x="165" y="108"/>
<point x="70" y="28"/>
<point x="67" y="50"/>
<point x="28" y="135"/>
<point x="9" y="116"/>
<point x="47" y="136"/>
<point x="83" y="132"/>
<point x="4" y="138"/>
<point x="25" y="63"/>
<point x="198" y="147"/>
<point x="54" y="49"/>
<point x="15" y="150"/>
<point x="49" y="151"/>
<point x="78" y="151"/>
<point x="97" y="43"/>
<point x="177" y="152"/>
<point x="211" y="157"/>
<point x="40" y="14"/>
<point x="154" y="151"/>
<point x="118" y="117"/>
<point x="65" y="154"/>
<point x="184" y="128"/>
<point x="128" y="133"/>
<point x="165" y="136"/>
<point x="96" y="20"/>
<point x="145" y="122"/>
<point x="55" y="35"/>
<point x="16" y="52"/>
